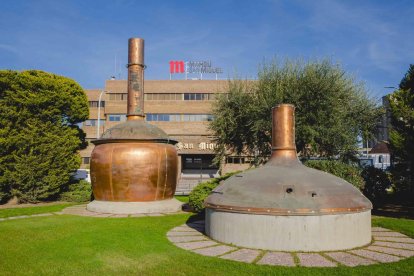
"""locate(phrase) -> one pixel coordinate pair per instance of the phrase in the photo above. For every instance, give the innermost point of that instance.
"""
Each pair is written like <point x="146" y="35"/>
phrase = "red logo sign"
<point x="176" y="67"/>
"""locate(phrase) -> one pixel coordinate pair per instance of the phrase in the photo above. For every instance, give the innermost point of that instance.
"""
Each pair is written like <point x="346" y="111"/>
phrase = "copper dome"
<point x="134" y="130"/>
<point x="284" y="186"/>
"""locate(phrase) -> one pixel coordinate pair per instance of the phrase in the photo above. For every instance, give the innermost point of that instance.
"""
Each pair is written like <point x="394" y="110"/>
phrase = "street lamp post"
<point x="99" y="114"/>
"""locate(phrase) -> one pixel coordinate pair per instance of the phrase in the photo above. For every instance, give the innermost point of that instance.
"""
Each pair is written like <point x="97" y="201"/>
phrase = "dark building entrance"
<point x="198" y="162"/>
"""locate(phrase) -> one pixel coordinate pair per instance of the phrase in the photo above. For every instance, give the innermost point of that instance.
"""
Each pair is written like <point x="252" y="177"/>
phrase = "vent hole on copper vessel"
<point x="289" y="190"/>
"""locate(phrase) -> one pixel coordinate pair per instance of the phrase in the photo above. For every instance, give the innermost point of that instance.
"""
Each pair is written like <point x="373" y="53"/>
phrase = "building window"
<point x="96" y="103"/>
<point x="86" y="160"/>
<point x="93" y="122"/>
<point x="118" y="97"/>
<point x="239" y="159"/>
<point x="179" y="117"/>
<point x="117" y="117"/>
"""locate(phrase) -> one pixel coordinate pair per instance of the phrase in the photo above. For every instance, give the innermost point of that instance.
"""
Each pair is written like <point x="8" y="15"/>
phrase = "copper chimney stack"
<point x="286" y="206"/>
<point x="135" y="79"/>
<point x="283" y="133"/>
<point x="134" y="164"/>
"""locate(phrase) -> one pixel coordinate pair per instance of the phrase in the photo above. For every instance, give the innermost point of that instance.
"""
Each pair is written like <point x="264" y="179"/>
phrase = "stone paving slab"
<point x="394" y="239"/>
<point x="118" y="216"/>
<point x="314" y="260"/>
<point x="408" y="246"/>
<point x="277" y="258"/>
<point x="380" y="257"/>
<point x="155" y="215"/>
<point x="349" y="259"/>
<point x="137" y="215"/>
<point x="379" y="229"/>
<point x="99" y="215"/>
<point x="393" y="251"/>
<point x="196" y="244"/>
<point x="2" y="219"/>
<point x="388" y="234"/>
<point x="42" y="215"/>
<point x="187" y="238"/>
<point x="243" y="255"/>
<point x="184" y="229"/>
<point x="179" y="234"/>
<point x="215" y="250"/>
<point x="18" y="217"/>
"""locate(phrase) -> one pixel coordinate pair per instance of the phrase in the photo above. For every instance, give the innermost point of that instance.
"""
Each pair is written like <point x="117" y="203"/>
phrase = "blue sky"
<point x="80" y="39"/>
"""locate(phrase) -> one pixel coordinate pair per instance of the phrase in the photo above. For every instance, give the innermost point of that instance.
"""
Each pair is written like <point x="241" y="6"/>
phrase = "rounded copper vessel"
<point x="283" y="186"/>
<point x="134" y="162"/>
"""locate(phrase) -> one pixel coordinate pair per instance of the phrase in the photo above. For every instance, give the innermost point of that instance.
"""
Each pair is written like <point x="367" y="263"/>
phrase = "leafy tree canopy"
<point x="402" y="132"/>
<point x="332" y="110"/>
<point x="39" y="138"/>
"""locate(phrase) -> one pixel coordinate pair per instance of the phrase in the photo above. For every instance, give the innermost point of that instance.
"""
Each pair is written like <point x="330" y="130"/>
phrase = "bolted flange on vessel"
<point x="286" y="206"/>
<point x="134" y="164"/>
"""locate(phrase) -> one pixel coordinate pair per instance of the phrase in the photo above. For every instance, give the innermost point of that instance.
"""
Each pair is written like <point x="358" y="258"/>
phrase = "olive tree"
<point x="333" y="110"/>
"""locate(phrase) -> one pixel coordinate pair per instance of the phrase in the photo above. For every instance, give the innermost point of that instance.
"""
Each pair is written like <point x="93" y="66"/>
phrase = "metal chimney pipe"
<point x="135" y="79"/>
<point x="283" y="134"/>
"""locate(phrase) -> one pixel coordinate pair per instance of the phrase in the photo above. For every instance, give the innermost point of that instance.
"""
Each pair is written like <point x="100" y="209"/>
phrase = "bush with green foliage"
<point x="202" y="191"/>
<point x="78" y="192"/>
<point x="39" y="136"/>
<point x="376" y="183"/>
<point x="350" y="173"/>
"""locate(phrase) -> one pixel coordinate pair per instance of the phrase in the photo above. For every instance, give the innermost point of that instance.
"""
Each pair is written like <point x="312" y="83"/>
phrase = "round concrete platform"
<point x="112" y="207"/>
<point x="290" y="233"/>
<point x="387" y="246"/>
<point x="81" y="210"/>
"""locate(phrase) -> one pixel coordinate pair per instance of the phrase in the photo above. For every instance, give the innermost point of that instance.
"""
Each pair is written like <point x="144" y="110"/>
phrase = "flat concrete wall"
<point x="290" y="233"/>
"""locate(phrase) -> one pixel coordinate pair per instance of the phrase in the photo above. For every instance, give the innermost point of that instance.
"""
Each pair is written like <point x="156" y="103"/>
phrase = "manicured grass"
<point x="25" y="211"/>
<point x="182" y="198"/>
<point x="71" y="245"/>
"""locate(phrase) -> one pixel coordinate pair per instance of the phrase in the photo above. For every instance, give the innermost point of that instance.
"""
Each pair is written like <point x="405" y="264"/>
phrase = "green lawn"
<point x="13" y="212"/>
<point x="182" y="198"/>
<point x="72" y="245"/>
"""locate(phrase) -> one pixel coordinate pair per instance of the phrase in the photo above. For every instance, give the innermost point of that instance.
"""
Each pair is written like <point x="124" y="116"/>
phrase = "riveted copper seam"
<point x="285" y="212"/>
<point x="135" y="79"/>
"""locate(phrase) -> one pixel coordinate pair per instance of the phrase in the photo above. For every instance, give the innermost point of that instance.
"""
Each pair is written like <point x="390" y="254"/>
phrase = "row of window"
<point x="179" y="117"/>
<point x="118" y="97"/>
<point x="153" y="117"/>
<point x="239" y="159"/>
<point x="180" y="97"/>
<point x="94" y="122"/>
<point x="96" y="104"/>
<point x="161" y="97"/>
<point x="117" y="117"/>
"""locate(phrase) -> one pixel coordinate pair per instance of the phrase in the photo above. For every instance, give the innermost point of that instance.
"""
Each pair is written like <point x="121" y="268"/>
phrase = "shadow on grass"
<point x="397" y="206"/>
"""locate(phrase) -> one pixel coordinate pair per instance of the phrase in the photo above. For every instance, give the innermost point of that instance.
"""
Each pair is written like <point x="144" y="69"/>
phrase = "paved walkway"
<point x="31" y="216"/>
<point x="387" y="247"/>
<point x="80" y="210"/>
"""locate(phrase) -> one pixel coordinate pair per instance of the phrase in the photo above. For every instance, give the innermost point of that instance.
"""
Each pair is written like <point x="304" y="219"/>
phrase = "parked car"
<point x="83" y="174"/>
